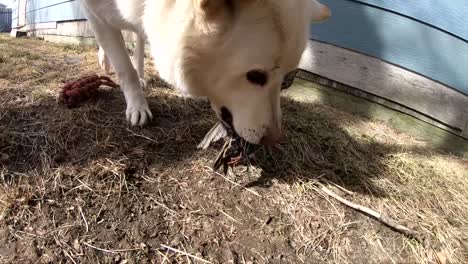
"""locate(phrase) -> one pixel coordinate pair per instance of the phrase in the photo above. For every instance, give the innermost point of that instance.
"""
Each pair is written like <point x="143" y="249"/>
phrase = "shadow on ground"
<point x="45" y="136"/>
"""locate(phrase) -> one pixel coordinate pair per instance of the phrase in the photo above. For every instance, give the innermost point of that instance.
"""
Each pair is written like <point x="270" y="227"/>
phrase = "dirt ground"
<point x="81" y="186"/>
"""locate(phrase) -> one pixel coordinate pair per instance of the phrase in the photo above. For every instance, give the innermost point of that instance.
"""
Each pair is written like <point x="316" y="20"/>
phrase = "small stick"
<point x="235" y="183"/>
<point x="164" y="256"/>
<point x="184" y="253"/>
<point x="377" y="216"/>
<point x="84" y="219"/>
<point x="70" y="257"/>
<point x="83" y="184"/>
<point x="142" y="136"/>
<point x="113" y="251"/>
<point x="342" y="188"/>
<point x="230" y="217"/>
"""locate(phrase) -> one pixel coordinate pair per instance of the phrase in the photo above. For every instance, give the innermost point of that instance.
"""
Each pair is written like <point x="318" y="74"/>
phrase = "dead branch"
<point x="392" y="224"/>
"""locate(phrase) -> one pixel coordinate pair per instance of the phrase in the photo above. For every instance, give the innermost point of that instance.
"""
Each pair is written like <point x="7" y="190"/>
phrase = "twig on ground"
<point x="164" y="256"/>
<point x="163" y="205"/>
<point x="184" y="253"/>
<point x="84" y="219"/>
<point x="84" y="185"/>
<point x="377" y="216"/>
<point x="230" y="217"/>
<point x="235" y="183"/>
<point x="113" y="251"/>
<point x="69" y="256"/>
<point x="142" y="136"/>
<point x="342" y="188"/>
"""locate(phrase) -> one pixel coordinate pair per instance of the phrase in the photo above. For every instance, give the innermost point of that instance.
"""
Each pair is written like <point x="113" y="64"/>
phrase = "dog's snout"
<point x="271" y="137"/>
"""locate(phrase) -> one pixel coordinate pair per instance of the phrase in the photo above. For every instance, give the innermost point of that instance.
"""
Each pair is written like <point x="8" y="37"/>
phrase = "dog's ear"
<point x="318" y="11"/>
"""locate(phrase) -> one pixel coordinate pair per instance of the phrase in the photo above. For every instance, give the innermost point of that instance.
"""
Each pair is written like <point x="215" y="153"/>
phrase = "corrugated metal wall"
<point x="5" y="20"/>
<point x="426" y="37"/>
<point x="42" y="11"/>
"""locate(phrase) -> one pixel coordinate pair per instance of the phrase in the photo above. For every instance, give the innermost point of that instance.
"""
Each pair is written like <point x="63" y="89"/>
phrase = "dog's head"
<point x="237" y="54"/>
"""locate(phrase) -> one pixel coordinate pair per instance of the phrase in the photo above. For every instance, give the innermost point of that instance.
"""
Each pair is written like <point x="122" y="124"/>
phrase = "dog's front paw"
<point x="138" y="112"/>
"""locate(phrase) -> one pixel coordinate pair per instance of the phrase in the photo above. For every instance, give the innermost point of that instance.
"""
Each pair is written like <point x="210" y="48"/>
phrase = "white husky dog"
<point x="233" y="52"/>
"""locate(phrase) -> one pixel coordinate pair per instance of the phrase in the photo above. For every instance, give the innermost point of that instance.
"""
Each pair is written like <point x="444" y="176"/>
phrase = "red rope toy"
<point x="75" y="92"/>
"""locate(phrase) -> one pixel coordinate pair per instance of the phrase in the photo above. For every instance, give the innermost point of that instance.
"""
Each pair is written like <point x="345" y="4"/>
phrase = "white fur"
<point x="208" y="53"/>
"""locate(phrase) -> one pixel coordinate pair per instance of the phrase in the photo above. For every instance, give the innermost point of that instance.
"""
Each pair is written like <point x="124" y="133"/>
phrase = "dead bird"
<point x="235" y="150"/>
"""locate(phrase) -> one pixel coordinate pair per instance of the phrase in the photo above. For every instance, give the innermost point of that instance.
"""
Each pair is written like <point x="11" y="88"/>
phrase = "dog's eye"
<point x="257" y="77"/>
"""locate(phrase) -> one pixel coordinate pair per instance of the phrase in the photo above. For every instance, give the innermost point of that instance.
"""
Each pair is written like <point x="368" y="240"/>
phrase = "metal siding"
<point x="449" y="15"/>
<point x="39" y="4"/>
<point x="399" y="40"/>
<point x="40" y="11"/>
<point x="5" y="20"/>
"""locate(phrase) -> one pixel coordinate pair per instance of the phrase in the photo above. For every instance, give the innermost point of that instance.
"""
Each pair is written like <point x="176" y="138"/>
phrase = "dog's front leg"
<point x="139" y="58"/>
<point x="103" y="61"/>
<point x="111" y="39"/>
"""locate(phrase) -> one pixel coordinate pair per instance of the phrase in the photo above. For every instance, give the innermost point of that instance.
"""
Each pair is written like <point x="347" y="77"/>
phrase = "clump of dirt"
<point x="81" y="186"/>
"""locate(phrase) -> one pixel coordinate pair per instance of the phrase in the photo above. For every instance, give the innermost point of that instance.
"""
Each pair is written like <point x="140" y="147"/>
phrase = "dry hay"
<point x="80" y="186"/>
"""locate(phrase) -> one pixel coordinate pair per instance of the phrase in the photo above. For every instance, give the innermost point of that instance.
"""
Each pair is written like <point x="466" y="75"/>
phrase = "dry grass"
<point x="80" y="186"/>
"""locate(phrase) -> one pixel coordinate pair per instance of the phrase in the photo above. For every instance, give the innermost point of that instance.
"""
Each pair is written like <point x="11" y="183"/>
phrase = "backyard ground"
<point x="81" y="186"/>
